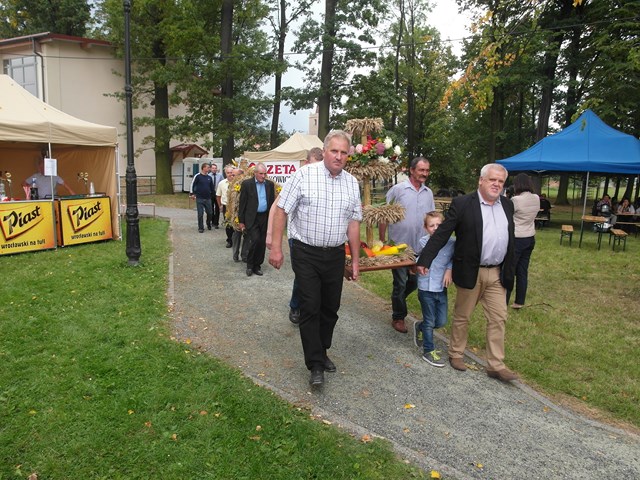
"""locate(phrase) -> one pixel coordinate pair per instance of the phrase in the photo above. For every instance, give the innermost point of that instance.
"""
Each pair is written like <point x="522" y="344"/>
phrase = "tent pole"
<point x="584" y="207"/>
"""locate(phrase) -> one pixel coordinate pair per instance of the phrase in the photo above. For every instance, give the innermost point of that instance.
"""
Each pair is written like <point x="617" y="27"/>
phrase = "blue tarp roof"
<point x="587" y="145"/>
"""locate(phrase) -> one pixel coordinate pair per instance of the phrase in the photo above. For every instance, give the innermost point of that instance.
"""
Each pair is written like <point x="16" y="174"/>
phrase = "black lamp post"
<point x="133" y="230"/>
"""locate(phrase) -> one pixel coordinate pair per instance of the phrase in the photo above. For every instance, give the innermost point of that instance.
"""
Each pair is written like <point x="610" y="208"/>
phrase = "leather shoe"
<point x="236" y="259"/>
<point x="258" y="271"/>
<point x="249" y="272"/>
<point x="201" y="230"/>
<point x="294" y="316"/>
<point x="208" y="227"/>
<point x="504" y="375"/>
<point x="458" y="364"/>
<point x="399" y="325"/>
<point x="228" y="245"/>
<point x="317" y="378"/>
<point x="329" y="366"/>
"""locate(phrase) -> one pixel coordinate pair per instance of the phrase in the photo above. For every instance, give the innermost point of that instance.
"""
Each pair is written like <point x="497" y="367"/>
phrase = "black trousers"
<point x="256" y="234"/>
<point x="215" y="219"/>
<point x="319" y="274"/>
<point x="228" y="228"/>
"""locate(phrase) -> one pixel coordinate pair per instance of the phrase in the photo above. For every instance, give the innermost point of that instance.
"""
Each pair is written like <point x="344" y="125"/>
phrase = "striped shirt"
<point x="319" y="206"/>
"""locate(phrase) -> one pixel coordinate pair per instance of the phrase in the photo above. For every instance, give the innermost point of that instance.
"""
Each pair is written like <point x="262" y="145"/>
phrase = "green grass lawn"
<point x="579" y="336"/>
<point x="93" y="386"/>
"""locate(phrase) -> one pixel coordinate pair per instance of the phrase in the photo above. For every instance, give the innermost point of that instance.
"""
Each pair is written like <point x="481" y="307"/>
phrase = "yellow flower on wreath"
<point x="236" y="220"/>
<point x="278" y="189"/>
<point x="237" y="187"/>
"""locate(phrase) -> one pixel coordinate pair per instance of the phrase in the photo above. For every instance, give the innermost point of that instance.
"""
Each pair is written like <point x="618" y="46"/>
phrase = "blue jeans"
<point x="434" y="315"/>
<point x="203" y="205"/>
<point x="403" y="284"/>
<point x="523" y="249"/>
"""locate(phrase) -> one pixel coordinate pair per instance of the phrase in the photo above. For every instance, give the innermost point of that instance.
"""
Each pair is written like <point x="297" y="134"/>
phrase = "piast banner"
<point x="85" y="220"/>
<point x="26" y="226"/>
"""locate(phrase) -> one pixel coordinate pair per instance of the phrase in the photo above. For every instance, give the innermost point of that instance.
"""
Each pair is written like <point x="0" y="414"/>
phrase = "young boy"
<point x="432" y="292"/>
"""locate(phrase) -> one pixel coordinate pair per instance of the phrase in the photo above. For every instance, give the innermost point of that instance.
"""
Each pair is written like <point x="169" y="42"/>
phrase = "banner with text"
<point x="279" y="171"/>
<point x="26" y="226"/>
<point x="85" y="220"/>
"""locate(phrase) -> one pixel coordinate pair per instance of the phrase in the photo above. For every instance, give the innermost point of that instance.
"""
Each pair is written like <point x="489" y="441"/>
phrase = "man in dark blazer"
<point x="483" y="265"/>
<point x="256" y="197"/>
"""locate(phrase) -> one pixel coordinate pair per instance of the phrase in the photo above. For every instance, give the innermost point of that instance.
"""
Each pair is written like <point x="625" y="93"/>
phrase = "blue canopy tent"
<point x="587" y="145"/>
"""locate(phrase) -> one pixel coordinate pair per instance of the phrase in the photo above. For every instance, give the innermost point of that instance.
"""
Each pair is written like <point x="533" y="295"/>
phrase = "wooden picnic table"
<point x="591" y="219"/>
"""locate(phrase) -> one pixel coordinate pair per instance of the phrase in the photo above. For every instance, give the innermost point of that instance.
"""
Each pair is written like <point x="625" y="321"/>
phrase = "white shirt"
<point x="495" y="232"/>
<point x="320" y="206"/>
<point x="221" y="191"/>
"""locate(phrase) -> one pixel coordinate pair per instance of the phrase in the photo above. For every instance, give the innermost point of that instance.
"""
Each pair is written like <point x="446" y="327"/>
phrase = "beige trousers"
<point x="492" y="295"/>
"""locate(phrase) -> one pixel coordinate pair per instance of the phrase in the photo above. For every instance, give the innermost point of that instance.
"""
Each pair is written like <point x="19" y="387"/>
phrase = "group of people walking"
<point x="320" y="207"/>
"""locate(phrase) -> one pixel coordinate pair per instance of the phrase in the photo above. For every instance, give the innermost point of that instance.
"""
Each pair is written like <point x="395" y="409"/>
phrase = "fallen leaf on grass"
<point x="33" y="476"/>
<point x="188" y="341"/>
<point x="204" y="412"/>
<point x="174" y="437"/>
<point x="130" y="412"/>
<point x="545" y="409"/>
<point x="409" y="405"/>
<point x="327" y="422"/>
<point x="406" y="430"/>
<point x="366" y="438"/>
<point x="147" y="424"/>
<point x="255" y="437"/>
<point x="435" y="474"/>
<point x="258" y="428"/>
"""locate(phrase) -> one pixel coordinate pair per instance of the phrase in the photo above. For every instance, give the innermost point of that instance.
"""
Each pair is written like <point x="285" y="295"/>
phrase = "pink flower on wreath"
<point x="380" y="148"/>
<point x="359" y="148"/>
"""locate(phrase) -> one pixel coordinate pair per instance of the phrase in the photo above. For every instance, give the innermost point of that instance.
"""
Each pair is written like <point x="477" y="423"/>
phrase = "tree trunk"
<point x="227" y="87"/>
<point x="277" y="97"/>
<point x="161" y="147"/>
<point x="164" y="185"/>
<point x="328" y="39"/>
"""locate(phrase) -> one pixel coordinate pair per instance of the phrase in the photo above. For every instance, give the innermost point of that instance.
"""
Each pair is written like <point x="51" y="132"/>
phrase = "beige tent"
<point x="295" y="148"/>
<point x="27" y="125"/>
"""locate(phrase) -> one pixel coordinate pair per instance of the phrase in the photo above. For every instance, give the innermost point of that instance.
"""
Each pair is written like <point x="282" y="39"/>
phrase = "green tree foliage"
<point x="340" y="43"/>
<point x="26" y="17"/>
<point x="178" y="64"/>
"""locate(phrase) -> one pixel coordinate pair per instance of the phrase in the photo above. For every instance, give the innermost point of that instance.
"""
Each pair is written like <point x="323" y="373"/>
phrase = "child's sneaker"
<point x="432" y="358"/>
<point x="417" y="334"/>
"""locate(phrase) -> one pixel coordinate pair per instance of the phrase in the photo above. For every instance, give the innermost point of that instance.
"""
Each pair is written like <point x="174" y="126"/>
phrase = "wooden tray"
<point x="389" y="266"/>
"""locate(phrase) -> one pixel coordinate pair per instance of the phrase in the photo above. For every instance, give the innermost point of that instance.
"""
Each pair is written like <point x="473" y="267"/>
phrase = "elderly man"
<point x="256" y="197"/>
<point x="417" y="199"/>
<point x="322" y="202"/>
<point x="483" y="265"/>
<point x="221" y="199"/>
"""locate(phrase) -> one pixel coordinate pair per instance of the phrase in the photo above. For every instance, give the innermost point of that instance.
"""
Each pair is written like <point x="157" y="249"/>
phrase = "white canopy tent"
<point x="27" y="125"/>
<point x="295" y="148"/>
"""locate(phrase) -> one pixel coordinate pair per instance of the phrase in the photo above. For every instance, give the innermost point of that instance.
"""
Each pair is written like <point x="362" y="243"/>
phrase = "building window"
<point x="23" y="71"/>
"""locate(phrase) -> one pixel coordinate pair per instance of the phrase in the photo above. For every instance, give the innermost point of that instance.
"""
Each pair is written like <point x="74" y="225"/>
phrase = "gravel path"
<point x="464" y="425"/>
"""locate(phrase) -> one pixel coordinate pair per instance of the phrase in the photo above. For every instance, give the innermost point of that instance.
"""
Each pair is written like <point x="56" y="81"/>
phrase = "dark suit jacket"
<point x="465" y="218"/>
<point x="248" y="203"/>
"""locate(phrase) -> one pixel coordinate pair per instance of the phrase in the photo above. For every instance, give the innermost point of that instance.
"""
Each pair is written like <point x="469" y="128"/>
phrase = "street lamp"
<point x="133" y="230"/>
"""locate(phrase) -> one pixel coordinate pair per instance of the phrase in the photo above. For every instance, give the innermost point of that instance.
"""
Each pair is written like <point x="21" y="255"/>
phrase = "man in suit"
<point x="217" y="178"/>
<point x="256" y="197"/>
<point x="483" y="265"/>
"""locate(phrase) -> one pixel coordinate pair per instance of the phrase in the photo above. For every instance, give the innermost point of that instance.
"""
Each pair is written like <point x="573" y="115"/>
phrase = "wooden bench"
<point x="635" y="225"/>
<point x="618" y="236"/>
<point x="566" y="231"/>
<point x="541" y="221"/>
